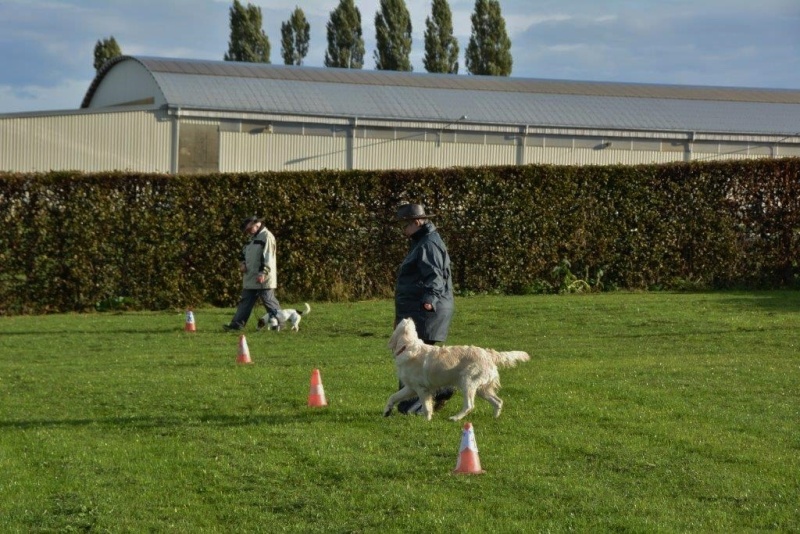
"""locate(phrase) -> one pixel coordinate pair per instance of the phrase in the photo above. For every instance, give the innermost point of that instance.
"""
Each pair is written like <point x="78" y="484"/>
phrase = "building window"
<point x="647" y="145"/>
<point x="673" y="146"/>
<point x="558" y="142"/>
<point x="788" y="151"/>
<point x="705" y="147"/>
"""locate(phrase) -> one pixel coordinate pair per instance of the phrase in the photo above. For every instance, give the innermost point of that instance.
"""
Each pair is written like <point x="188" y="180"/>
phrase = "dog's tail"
<point x="509" y="358"/>
<point x="307" y="310"/>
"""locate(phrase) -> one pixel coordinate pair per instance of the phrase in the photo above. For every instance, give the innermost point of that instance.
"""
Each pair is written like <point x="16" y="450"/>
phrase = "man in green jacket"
<point x="259" y="273"/>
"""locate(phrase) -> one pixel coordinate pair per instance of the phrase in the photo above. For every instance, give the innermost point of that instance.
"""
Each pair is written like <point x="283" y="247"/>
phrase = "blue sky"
<point x="46" y="46"/>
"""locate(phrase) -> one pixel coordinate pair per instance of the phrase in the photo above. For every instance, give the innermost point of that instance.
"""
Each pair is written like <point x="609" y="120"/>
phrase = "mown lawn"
<point x="638" y="412"/>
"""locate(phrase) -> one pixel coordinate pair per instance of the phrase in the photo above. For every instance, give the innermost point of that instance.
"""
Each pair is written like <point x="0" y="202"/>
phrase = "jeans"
<point x="248" y="300"/>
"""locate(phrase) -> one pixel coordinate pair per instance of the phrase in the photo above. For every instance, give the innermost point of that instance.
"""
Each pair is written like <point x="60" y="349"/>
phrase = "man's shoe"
<point x="231" y="327"/>
<point x="416" y="409"/>
<point x="407" y="406"/>
<point x="441" y="398"/>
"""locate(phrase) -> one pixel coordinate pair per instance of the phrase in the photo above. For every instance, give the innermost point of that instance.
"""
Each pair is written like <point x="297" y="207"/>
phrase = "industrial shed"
<point x="190" y="116"/>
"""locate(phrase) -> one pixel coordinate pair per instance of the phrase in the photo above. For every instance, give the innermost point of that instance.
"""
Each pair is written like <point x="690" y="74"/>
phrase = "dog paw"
<point x="387" y="413"/>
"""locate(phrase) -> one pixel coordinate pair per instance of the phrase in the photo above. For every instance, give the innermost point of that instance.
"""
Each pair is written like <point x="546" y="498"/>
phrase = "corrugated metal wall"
<point x="143" y="141"/>
<point x="587" y="156"/>
<point x="242" y="152"/>
<point x="86" y="141"/>
<point x="403" y="154"/>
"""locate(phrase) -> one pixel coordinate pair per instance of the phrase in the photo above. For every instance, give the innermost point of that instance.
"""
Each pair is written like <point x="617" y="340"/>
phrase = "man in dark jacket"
<point x="424" y="290"/>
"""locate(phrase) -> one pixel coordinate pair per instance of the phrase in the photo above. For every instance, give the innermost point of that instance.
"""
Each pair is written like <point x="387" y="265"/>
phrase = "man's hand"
<point x="427" y="306"/>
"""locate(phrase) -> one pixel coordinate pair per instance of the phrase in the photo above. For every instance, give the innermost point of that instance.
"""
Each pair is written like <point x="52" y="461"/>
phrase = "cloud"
<point x="46" y="46"/>
<point x="520" y="24"/>
<point x="672" y="42"/>
<point x="68" y="94"/>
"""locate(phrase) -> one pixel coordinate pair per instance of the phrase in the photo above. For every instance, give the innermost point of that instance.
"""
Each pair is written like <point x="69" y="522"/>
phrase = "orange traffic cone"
<point x="190" y="326"/>
<point x="244" y="351"/>
<point x="316" y="397"/>
<point x="468" y="461"/>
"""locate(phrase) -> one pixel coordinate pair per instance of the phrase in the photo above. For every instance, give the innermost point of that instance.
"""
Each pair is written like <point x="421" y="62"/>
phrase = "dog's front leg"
<point x="401" y="395"/>
<point x="427" y="405"/>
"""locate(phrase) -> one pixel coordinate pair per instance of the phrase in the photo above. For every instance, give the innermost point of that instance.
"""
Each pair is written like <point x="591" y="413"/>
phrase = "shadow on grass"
<point x="769" y="301"/>
<point x="155" y="422"/>
<point x="132" y="331"/>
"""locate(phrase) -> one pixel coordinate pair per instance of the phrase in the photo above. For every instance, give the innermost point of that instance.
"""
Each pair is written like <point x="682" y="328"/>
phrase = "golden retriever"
<point x="423" y="369"/>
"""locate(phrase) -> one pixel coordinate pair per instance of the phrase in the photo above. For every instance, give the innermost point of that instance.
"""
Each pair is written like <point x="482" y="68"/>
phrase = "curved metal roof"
<point x="388" y="95"/>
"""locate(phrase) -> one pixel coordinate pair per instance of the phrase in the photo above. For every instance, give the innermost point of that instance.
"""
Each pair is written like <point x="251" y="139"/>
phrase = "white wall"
<point x="89" y="142"/>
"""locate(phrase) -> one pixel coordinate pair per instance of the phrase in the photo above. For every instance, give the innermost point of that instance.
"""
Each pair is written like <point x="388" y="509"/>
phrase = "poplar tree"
<point x="345" y="37"/>
<point x="489" y="49"/>
<point x="104" y="50"/>
<point x="248" y="41"/>
<point x="295" y="35"/>
<point x="393" y="36"/>
<point x="441" y="47"/>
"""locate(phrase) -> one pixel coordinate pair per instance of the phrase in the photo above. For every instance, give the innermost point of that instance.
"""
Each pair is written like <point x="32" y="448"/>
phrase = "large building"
<point x="187" y="116"/>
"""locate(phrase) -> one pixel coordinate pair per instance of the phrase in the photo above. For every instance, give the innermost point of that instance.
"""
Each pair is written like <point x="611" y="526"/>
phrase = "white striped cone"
<point x="244" y="351"/>
<point x="468" y="462"/>
<point x="190" y="326"/>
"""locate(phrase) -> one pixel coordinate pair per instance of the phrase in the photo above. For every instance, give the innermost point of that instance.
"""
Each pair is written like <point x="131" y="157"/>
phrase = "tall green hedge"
<point x="73" y="241"/>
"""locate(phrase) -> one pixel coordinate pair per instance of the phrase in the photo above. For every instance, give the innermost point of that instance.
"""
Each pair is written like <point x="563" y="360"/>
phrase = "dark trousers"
<point x="248" y="300"/>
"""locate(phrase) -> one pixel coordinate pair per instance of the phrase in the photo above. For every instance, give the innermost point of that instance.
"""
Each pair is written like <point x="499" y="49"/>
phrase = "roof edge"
<point x="507" y="84"/>
<point x="107" y="66"/>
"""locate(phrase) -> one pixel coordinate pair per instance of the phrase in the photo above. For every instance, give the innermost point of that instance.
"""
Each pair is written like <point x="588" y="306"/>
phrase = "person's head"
<point x="251" y="225"/>
<point x="412" y="217"/>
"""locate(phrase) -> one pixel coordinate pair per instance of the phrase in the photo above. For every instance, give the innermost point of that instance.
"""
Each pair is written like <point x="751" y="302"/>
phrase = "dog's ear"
<point x="395" y="336"/>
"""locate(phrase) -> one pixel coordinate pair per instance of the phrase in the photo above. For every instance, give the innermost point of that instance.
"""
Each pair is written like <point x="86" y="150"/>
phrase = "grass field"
<point x="652" y="412"/>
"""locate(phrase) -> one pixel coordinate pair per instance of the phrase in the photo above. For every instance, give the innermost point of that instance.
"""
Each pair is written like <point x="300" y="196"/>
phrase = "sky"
<point x="47" y="46"/>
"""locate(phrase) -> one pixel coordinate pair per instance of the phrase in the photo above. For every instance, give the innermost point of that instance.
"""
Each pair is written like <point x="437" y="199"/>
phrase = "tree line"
<point x="488" y="51"/>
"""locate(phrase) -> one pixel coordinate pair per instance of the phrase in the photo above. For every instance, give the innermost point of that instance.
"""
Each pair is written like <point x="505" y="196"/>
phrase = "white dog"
<point x="284" y="316"/>
<point x="423" y="369"/>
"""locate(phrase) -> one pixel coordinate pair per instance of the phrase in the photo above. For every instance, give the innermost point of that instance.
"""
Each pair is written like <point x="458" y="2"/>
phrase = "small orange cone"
<point x="244" y="351"/>
<point x="468" y="461"/>
<point x="316" y="397"/>
<point x="190" y="326"/>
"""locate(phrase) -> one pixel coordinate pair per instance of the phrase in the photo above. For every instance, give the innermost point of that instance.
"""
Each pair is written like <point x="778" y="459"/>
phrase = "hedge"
<point x="73" y="242"/>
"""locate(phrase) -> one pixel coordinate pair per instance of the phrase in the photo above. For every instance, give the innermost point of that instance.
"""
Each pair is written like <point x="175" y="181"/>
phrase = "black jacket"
<point x="425" y="277"/>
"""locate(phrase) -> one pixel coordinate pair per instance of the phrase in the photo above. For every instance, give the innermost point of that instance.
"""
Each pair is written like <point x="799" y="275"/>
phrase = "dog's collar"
<point x="401" y="351"/>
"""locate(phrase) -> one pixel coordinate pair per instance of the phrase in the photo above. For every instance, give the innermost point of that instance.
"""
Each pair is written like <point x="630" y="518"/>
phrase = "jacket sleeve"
<point x="431" y="266"/>
<point x="268" y="255"/>
<point x="263" y="267"/>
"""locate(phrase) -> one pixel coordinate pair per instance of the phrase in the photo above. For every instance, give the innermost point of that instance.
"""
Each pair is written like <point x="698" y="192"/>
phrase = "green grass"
<point x="651" y="412"/>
